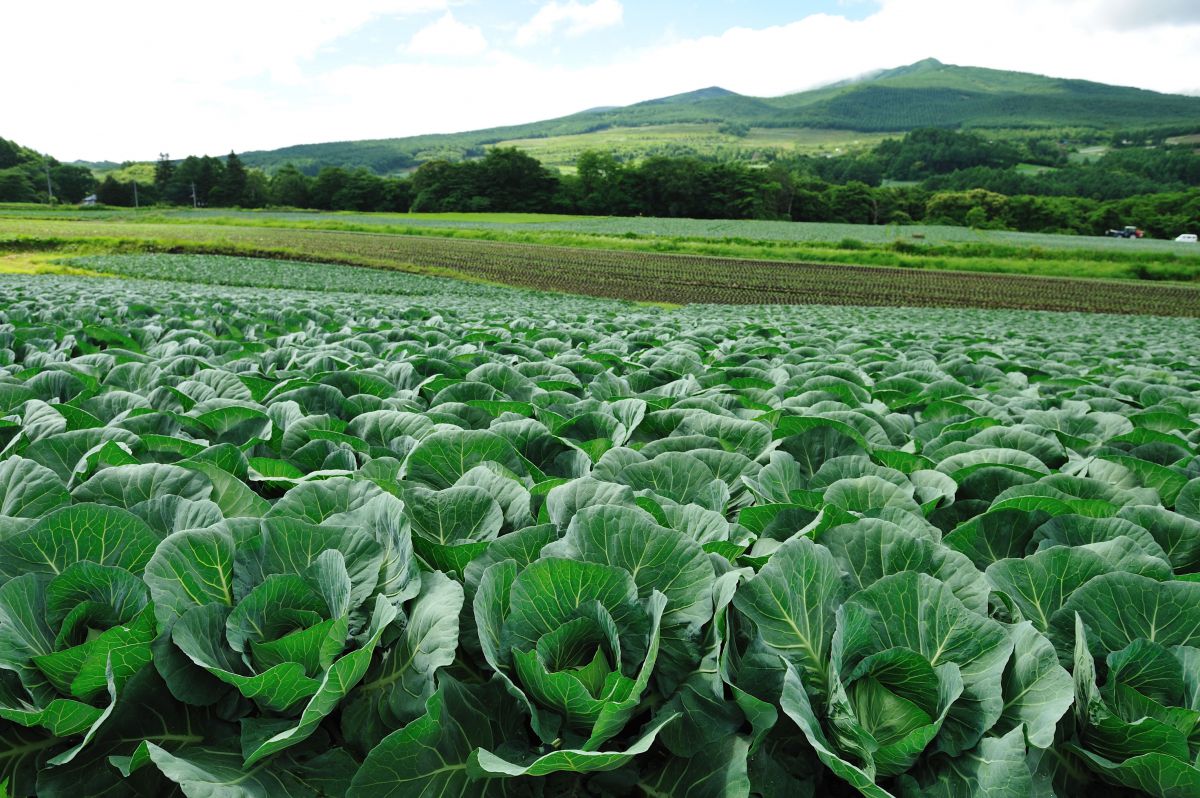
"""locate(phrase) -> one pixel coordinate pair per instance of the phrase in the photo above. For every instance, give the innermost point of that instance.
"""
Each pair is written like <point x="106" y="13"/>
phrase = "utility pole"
<point x="135" y="196"/>
<point x="194" y="206"/>
<point x="49" y="188"/>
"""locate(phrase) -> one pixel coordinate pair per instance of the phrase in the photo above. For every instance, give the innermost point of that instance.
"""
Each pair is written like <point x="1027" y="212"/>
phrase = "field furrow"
<point x="641" y="276"/>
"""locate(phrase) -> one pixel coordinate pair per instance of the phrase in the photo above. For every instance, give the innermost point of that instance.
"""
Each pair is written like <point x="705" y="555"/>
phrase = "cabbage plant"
<point x="1137" y="682"/>
<point x="76" y="621"/>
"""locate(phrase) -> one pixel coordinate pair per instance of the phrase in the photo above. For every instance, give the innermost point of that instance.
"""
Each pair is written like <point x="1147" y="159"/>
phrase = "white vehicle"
<point x="1186" y="238"/>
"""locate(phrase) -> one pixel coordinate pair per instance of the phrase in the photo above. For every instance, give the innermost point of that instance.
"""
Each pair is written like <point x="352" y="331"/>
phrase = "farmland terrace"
<point x="631" y="275"/>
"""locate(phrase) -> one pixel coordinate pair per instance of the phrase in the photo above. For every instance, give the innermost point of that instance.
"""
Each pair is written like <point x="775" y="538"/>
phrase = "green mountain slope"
<point x="932" y="94"/>
<point x="925" y="94"/>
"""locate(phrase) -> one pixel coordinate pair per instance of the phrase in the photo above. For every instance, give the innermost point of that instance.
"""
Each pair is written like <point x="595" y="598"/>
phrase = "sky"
<point x="129" y="79"/>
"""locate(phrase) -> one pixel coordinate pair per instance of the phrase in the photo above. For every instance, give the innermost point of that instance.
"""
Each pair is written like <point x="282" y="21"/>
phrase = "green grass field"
<point x="742" y="232"/>
<point x="1193" y="139"/>
<point x="705" y="140"/>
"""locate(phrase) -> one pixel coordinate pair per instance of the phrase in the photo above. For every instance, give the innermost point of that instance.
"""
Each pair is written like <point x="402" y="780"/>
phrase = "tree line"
<point x="928" y="176"/>
<point x="25" y="176"/>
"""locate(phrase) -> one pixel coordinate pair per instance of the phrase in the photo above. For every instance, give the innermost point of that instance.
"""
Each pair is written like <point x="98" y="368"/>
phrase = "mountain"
<point x="722" y="123"/>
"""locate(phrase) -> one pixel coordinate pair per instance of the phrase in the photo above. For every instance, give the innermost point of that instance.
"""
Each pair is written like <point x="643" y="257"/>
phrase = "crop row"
<point x="662" y="277"/>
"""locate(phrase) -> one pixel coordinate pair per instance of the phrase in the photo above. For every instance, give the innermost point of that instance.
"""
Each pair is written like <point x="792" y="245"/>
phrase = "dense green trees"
<point x="213" y="182"/>
<point x="203" y="180"/>
<point x="601" y="183"/>
<point x="927" y="152"/>
<point x="336" y="189"/>
<point x="72" y="183"/>
<point x="164" y="170"/>
<point x="230" y="187"/>
<point x="1119" y="174"/>
<point x="504" y="180"/>
<point x="15" y="186"/>
<point x="114" y="192"/>
<point x="805" y="189"/>
<point x="289" y="187"/>
<point x="975" y="208"/>
<point x="10" y="154"/>
<point x="23" y="175"/>
<point x="933" y="176"/>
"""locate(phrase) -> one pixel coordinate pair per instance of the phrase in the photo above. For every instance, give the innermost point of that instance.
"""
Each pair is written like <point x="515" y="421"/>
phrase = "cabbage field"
<point x="375" y="535"/>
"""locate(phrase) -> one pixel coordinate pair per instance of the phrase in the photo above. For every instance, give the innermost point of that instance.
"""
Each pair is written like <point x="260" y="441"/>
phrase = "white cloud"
<point x="206" y="42"/>
<point x="1144" y="13"/>
<point x="130" y="79"/>
<point x="448" y="37"/>
<point x="212" y="83"/>
<point x="573" y="17"/>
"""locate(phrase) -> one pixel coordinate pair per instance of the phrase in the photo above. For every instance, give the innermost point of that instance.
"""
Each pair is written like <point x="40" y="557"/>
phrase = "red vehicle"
<point x="1128" y="231"/>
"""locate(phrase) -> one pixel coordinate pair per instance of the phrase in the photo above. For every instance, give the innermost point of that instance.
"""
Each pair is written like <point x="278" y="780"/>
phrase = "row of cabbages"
<point x="366" y="552"/>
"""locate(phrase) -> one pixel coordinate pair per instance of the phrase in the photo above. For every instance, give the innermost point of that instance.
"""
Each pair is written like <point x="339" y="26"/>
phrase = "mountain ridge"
<point x="926" y="93"/>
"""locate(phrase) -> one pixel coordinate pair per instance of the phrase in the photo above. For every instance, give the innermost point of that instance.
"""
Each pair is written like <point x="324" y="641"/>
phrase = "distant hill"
<point x="98" y="166"/>
<point x="925" y="94"/>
